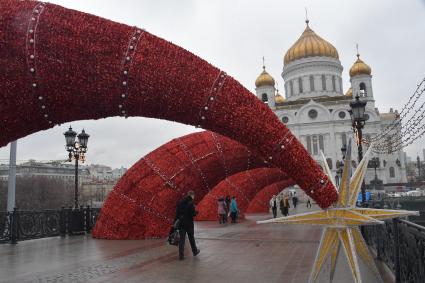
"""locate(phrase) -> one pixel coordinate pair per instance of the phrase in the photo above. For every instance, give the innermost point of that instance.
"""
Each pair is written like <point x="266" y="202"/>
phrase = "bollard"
<point x="14" y="227"/>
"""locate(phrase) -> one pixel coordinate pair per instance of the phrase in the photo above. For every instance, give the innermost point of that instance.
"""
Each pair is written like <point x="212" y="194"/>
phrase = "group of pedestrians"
<point x="227" y="207"/>
<point x="283" y="204"/>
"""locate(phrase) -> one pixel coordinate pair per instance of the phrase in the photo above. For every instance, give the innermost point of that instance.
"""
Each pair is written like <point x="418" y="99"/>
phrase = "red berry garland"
<point x="142" y="204"/>
<point x="243" y="186"/>
<point x="261" y="202"/>
<point x="60" y="65"/>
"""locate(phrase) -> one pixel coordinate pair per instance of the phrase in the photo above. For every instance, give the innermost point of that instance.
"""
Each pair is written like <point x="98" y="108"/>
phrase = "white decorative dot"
<point x="31" y="31"/>
<point x="123" y="112"/>
<point x="287" y="140"/>
<point x="46" y="115"/>
<point x="32" y="19"/>
<point x="282" y="146"/>
<point x="206" y="107"/>
<point x="203" y="117"/>
<point x="127" y="58"/>
<point x="120" y="106"/>
<point x="215" y="88"/>
<point x="125" y="72"/>
<point x="222" y="76"/>
<point x="34" y="85"/>
<point x="31" y="40"/>
<point x="32" y="56"/>
<point x="134" y="38"/>
<point x="270" y="157"/>
<point x="36" y="11"/>
<point x="219" y="83"/>
<point x="123" y="95"/>
<point x="211" y="98"/>
<point x="40" y="98"/>
<point x="322" y="181"/>
<point x="43" y="106"/>
<point x="51" y="122"/>
<point x="32" y="70"/>
<point x="131" y="47"/>
<point x="312" y="191"/>
<point x="139" y="31"/>
<point x="124" y="83"/>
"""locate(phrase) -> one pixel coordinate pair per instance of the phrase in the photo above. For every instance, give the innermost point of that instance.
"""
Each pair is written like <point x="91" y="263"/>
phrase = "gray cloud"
<point x="234" y="35"/>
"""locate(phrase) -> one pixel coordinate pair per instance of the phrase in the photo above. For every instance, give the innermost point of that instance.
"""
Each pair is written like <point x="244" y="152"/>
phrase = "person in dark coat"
<point x="284" y="206"/>
<point x="227" y="206"/>
<point x="273" y="205"/>
<point x="294" y="201"/>
<point x="185" y="213"/>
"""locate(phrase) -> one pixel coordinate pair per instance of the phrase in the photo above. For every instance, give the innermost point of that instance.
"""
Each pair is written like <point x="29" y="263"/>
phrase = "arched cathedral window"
<point x="363" y="88"/>
<point x="264" y="97"/>
<point x="312" y="83"/>
<point x="344" y="139"/>
<point x="309" y="144"/>
<point x="340" y="84"/>
<point x="300" y="84"/>
<point x="392" y="172"/>
<point x="323" y="82"/>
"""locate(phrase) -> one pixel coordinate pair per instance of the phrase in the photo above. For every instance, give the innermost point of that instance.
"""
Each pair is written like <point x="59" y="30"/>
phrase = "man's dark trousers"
<point x="190" y="235"/>
<point x="274" y="209"/>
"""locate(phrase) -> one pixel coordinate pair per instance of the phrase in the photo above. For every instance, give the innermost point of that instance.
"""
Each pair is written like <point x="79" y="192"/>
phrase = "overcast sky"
<point x="234" y="35"/>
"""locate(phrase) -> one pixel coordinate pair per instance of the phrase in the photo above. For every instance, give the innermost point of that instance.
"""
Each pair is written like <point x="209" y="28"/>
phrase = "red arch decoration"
<point x="60" y="65"/>
<point x="142" y="204"/>
<point x="261" y="202"/>
<point x="244" y="186"/>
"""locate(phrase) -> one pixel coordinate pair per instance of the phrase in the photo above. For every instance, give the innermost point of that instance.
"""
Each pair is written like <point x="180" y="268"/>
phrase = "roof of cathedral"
<point x="360" y="68"/>
<point x="264" y="79"/>
<point x="389" y="116"/>
<point x="279" y="98"/>
<point x="310" y="45"/>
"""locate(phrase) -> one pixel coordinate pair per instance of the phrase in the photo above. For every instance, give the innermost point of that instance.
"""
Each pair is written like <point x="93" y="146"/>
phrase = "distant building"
<point x="423" y="154"/>
<point x="316" y="110"/>
<point x="51" y="169"/>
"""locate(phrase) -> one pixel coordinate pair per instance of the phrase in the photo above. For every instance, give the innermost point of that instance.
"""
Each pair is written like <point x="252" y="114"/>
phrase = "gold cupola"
<point x="264" y="79"/>
<point x="349" y="92"/>
<point x="279" y="98"/>
<point x="360" y="68"/>
<point x="310" y="45"/>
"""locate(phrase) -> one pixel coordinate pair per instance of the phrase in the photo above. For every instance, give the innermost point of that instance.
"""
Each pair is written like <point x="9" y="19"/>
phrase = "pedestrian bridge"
<point x="244" y="252"/>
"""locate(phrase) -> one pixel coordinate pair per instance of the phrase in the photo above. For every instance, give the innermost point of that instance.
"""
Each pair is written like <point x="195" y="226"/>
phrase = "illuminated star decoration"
<point x="341" y="223"/>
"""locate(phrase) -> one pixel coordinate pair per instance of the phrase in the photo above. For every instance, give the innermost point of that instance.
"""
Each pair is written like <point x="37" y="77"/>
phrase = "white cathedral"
<point x="315" y="107"/>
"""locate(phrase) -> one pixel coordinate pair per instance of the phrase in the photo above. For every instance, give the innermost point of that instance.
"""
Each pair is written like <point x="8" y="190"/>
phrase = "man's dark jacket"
<point x="186" y="212"/>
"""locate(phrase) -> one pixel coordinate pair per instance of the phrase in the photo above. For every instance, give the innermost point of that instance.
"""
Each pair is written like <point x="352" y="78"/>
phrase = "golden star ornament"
<point x="341" y="223"/>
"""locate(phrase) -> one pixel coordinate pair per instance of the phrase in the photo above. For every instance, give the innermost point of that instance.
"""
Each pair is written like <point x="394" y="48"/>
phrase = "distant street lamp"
<point x="76" y="150"/>
<point x="357" y="113"/>
<point x="375" y="164"/>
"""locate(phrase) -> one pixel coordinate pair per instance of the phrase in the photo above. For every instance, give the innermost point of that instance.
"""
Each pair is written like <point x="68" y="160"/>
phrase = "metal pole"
<point x="360" y="152"/>
<point x="76" y="182"/>
<point x="11" y="186"/>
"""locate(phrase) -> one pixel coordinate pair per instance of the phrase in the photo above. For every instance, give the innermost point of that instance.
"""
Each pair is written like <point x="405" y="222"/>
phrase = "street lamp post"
<point x="375" y="163"/>
<point x="340" y="164"/>
<point x="76" y="150"/>
<point x="358" y="120"/>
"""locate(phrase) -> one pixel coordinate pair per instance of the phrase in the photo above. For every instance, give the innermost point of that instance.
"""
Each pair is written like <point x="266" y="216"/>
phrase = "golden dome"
<point x="264" y="79"/>
<point x="349" y="92"/>
<point x="310" y="45"/>
<point x="279" y="98"/>
<point x="360" y="68"/>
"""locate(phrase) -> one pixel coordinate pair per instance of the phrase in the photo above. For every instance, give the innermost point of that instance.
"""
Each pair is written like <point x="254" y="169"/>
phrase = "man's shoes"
<point x="197" y="252"/>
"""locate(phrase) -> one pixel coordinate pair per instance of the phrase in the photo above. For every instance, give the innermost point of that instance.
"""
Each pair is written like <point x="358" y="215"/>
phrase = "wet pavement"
<point x="243" y="252"/>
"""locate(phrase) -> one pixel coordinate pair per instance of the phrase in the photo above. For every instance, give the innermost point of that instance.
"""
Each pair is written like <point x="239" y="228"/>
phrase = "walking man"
<point x="284" y="206"/>
<point x="308" y="203"/>
<point x="185" y="213"/>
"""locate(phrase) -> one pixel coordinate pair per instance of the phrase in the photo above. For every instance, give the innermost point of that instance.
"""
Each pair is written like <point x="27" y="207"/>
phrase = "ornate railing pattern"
<point x="24" y="225"/>
<point x="401" y="245"/>
<point x="4" y="227"/>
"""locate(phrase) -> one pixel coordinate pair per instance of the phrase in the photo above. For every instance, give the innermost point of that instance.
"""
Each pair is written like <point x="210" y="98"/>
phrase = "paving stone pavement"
<point x="243" y="252"/>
